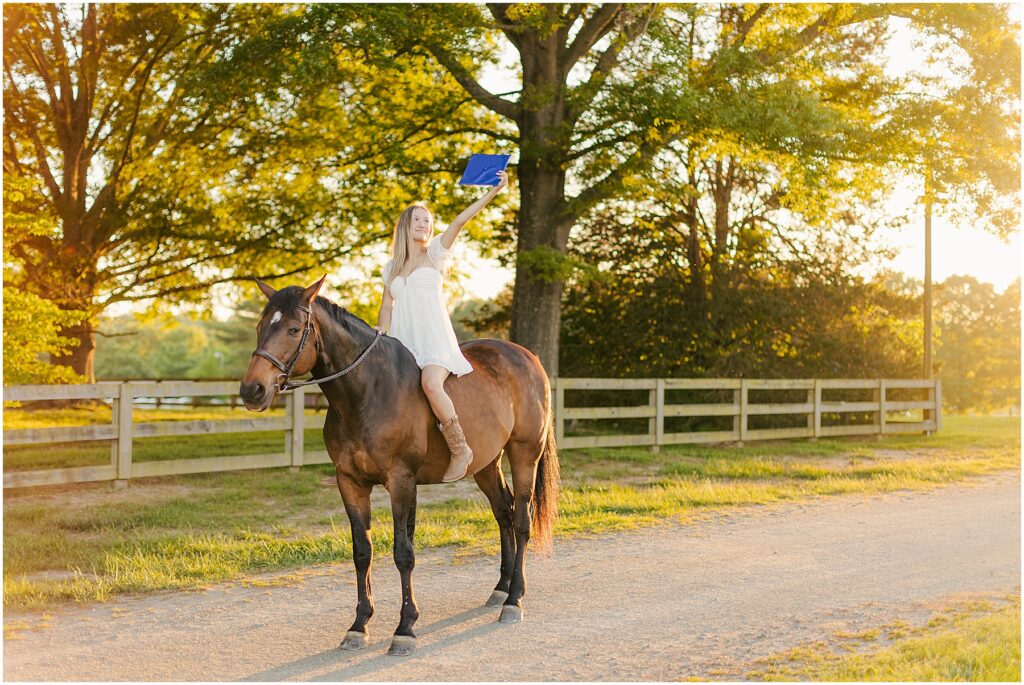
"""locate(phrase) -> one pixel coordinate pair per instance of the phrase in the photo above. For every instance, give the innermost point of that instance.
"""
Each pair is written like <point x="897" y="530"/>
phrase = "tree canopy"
<point x="619" y="105"/>
<point x="729" y="158"/>
<point x="174" y="147"/>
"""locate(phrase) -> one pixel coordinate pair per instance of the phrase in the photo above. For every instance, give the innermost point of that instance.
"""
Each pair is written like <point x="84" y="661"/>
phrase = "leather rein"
<point x="284" y="383"/>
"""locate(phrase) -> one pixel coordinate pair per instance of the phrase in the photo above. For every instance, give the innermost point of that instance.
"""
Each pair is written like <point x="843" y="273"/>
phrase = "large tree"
<point x="178" y="146"/>
<point x="228" y="140"/>
<point x="30" y="323"/>
<point x="959" y="120"/>
<point x="605" y="89"/>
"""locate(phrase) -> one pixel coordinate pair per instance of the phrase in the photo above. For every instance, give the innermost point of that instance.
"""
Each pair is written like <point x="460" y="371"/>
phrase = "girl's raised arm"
<point x="448" y="237"/>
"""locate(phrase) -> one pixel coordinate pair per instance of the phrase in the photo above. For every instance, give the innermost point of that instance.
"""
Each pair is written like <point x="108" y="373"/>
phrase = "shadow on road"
<point x="375" y="656"/>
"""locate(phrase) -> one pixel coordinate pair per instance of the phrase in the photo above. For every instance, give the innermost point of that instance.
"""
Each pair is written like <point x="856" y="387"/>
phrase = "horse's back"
<point x="509" y="380"/>
<point x="500" y="362"/>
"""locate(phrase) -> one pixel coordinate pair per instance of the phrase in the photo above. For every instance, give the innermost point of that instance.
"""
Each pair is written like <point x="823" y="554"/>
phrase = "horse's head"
<point x="286" y="338"/>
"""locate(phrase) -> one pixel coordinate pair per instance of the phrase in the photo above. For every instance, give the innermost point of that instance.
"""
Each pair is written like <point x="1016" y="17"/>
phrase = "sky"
<point x="957" y="249"/>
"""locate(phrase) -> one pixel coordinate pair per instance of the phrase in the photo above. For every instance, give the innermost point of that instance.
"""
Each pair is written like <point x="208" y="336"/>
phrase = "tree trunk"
<point x="544" y="220"/>
<point x="537" y="298"/>
<point x="69" y="279"/>
<point x="695" y="255"/>
<point x="537" y="318"/>
<point x="81" y="358"/>
<point x="722" y="184"/>
<point x="722" y="187"/>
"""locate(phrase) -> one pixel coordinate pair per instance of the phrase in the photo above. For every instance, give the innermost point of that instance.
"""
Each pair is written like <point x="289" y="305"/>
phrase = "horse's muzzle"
<point x="255" y="396"/>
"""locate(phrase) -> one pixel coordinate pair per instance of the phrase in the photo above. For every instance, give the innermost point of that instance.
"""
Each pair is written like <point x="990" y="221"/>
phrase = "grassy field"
<point x="977" y="642"/>
<point x="85" y="543"/>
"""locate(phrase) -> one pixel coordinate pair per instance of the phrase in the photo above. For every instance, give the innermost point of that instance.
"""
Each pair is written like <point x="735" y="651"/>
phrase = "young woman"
<point x="414" y="310"/>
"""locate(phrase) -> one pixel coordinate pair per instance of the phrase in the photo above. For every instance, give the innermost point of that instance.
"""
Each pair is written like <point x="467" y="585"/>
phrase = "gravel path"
<point x="701" y="600"/>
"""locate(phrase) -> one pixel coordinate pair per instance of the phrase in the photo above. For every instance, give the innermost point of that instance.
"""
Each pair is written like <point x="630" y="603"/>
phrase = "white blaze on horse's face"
<point x="263" y="378"/>
<point x="288" y="349"/>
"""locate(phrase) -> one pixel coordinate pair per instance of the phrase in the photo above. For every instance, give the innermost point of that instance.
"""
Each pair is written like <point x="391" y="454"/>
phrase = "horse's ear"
<point x="309" y="294"/>
<point x="267" y="290"/>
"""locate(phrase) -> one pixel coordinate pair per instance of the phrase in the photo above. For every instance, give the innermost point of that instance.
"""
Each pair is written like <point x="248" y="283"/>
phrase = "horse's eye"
<point x="293" y="331"/>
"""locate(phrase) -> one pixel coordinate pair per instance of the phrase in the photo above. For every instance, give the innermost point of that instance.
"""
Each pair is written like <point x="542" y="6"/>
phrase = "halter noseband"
<point x="284" y="384"/>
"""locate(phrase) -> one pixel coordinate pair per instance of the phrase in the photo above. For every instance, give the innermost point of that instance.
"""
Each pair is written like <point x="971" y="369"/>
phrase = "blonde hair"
<point x="401" y="241"/>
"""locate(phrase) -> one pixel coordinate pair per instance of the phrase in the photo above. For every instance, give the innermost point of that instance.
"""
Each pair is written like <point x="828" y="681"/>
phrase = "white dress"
<point x="420" y="318"/>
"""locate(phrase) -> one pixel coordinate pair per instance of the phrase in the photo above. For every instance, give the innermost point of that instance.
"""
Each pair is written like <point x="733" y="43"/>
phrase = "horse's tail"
<point x="546" y="491"/>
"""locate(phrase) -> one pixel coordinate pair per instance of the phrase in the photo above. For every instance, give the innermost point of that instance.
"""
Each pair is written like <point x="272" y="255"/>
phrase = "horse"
<point x="380" y="430"/>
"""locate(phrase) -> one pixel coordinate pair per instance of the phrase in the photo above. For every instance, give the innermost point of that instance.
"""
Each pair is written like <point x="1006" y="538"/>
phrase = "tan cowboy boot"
<point x="461" y="454"/>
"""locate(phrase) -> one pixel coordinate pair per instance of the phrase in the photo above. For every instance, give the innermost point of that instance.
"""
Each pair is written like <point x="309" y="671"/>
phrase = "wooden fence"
<point x="123" y="396"/>
<point x="739" y="407"/>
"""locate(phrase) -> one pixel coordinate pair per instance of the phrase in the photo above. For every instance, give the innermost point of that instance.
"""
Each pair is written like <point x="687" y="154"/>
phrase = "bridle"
<point x="284" y="384"/>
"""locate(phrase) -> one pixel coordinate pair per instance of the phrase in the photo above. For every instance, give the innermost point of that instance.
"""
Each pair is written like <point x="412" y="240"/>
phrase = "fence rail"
<point x="124" y="395"/>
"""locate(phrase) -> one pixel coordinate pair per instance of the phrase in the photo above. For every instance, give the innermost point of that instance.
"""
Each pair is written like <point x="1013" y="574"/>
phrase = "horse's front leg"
<point x="402" y="488"/>
<point x="356" y="497"/>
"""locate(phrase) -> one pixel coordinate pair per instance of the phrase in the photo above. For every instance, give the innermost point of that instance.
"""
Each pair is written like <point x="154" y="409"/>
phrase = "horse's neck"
<point x="341" y="345"/>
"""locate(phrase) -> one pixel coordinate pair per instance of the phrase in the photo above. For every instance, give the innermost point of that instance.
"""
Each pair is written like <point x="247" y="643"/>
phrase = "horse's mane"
<point x="288" y="299"/>
<point x="339" y="313"/>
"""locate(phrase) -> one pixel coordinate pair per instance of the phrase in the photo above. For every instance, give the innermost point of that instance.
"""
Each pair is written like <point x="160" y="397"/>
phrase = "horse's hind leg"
<point x="357" y="504"/>
<point x="403" y="508"/>
<point x="492" y="483"/>
<point x="523" y="458"/>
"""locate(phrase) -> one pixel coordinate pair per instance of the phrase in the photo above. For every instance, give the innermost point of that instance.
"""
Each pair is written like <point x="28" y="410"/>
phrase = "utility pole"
<point x="928" y="188"/>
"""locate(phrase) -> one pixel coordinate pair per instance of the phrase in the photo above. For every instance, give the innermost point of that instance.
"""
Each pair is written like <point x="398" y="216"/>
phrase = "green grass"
<point x="86" y="543"/>
<point x="980" y="643"/>
<point x="966" y="444"/>
<point x="225" y="528"/>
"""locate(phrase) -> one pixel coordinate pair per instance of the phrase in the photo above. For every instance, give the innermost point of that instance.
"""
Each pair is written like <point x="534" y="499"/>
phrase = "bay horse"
<point x="380" y="430"/>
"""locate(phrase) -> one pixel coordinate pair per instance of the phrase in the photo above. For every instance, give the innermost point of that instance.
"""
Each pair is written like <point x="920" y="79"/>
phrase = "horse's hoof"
<point x="511" y="614"/>
<point x="353" y="640"/>
<point x="497" y="598"/>
<point x="402" y="645"/>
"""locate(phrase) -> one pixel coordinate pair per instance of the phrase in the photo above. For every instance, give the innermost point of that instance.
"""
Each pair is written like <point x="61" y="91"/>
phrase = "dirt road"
<point x="659" y="604"/>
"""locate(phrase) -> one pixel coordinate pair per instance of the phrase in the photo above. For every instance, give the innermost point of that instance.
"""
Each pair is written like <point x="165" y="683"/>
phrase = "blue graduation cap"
<point x="482" y="170"/>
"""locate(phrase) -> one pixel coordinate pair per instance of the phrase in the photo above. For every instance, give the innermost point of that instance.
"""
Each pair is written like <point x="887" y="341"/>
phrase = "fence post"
<point x="938" y="405"/>
<point x="559" y="411"/>
<point x="743" y="411"/>
<point x="658" y="397"/>
<point x="124" y="435"/>
<point x="115" y="406"/>
<point x="736" y="414"/>
<point x="816" y="395"/>
<point x="295" y="407"/>
<point x="931" y="415"/>
<point x="881" y="408"/>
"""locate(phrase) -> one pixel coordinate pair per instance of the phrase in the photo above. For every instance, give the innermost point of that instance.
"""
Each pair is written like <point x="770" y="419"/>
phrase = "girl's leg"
<point x="462" y="456"/>
<point x="432" y="378"/>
